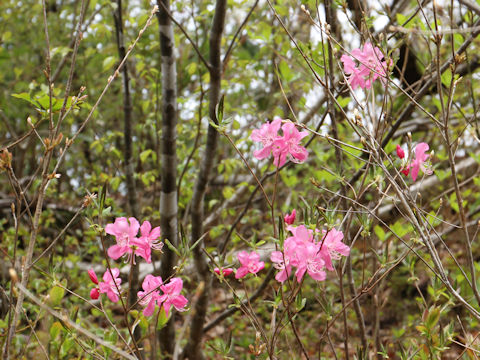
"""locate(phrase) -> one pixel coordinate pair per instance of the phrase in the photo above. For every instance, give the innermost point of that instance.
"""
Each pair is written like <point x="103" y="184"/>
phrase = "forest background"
<point x="135" y="109"/>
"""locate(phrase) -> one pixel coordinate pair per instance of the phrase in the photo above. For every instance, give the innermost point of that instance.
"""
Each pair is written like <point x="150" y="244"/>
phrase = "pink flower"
<point x="267" y="135"/>
<point x="370" y="67"/>
<point x="171" y="295"/>
<point x="307" y="255"/>
<point x="280" y="146"/>
<point x="125" y="231"/>
<point x="310" y="261"/>
<point x="332" y="247"/>
<point x="148" y="240"/>
<point x="224" y="271"/>
<point x="151" y="294"/>
<point x="301" y="233"/>
<point x="357" y="76"/>
<point x="290" y="218"/>
<point x="111" y="285"/>
<point x="289" y="144"/>
<point x="419" y="163"/>
<point x="282" y="261"/>
<point x="250" y="264"/>
<point x="420" y="159"/>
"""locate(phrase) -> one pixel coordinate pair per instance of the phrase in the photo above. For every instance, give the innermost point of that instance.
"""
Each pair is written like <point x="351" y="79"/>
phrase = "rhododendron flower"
<point x="332" y="247"/>
<point x="289" y="145"/>
<point x="151" y="294"/>
<point x="224" y="271"/>
<point x="357" y="76"/>
<point x="125" y="231"/>
<point x="281" y="261"/>
<point x="111" y="285"/>
<point x="290" y="218"/>
<point x="301" y="233"/>
<point x="307" y="255"/>
<point x="310" y="260"/>
<point x="267" y="134"/>
<point x="250" y="264"/>
<point x="420" y="159"/>
<point x="148" y="240"/>
<point x="419" y="163"/>
<point x="171" y="295"/>
<point x="370" y="67"/>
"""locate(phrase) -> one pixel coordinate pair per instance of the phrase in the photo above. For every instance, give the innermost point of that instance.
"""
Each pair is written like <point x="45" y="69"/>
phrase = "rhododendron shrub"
<point x="304" y="235"/>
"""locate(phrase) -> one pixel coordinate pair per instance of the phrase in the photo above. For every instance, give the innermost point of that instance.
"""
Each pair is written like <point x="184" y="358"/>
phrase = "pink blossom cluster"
<point x="370" y="67"/>
<point x="110" y="284"/>
<point x="126" y="231"/>
<point x="151" y="296"/>
<point x="308" y="255"/>
<point x="417" y="164"/>
<point x="287" y="145"/>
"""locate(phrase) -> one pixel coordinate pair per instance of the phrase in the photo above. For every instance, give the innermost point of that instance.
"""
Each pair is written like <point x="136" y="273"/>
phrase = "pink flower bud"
<point x="225" y="271"/>
<point x="93" y="277"/>
<point x="290" y="218"/>
<point x="406" y="171"/>
<point x="400" y="152"/>
<point x="94" y="293"/>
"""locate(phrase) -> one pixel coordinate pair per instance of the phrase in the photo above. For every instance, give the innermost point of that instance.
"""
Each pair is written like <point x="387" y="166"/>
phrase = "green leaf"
<point x="162" y="318"/>
<point x="108" y="62"/>
<point x="379" y="232"/>
<point x="55" y="330"/>
<point x="23" y="96"/>
<point x="144" y="155"/>
<point x="173" y="248"/>
<point x="56" y="294"/>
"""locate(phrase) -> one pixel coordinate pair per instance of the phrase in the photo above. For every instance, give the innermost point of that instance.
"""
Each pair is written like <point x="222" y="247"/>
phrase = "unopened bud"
<point x="13" y="275"/>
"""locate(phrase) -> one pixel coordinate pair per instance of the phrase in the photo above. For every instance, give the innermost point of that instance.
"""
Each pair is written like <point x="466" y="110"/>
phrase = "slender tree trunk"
<point x="127" y="136"/>
<point x="192" y="350"/>
<point x="128" y="151"/>
<point x="168" y="196"/>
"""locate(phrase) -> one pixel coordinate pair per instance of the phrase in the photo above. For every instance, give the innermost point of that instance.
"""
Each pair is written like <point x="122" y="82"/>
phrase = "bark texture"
<point x="168" y="196"/>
